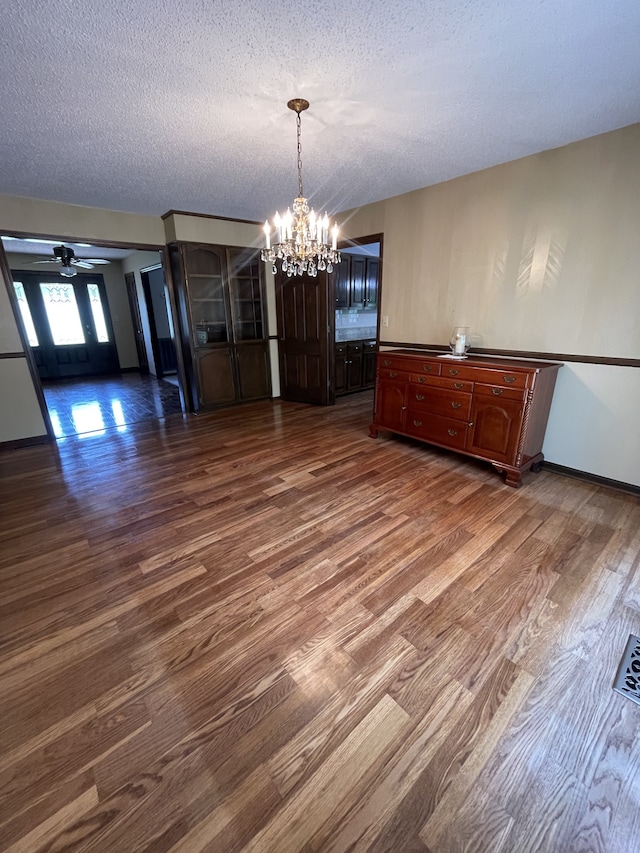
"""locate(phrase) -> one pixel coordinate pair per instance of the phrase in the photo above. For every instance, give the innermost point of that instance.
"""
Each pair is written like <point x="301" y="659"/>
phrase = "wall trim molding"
<point x="629" y="488"/>
<point x="13" y="355"/>
<point x="19" y="443"/>
<point x="208" y="216"/>
<point x="513" y="353"/>
<point x="100" y="243"/>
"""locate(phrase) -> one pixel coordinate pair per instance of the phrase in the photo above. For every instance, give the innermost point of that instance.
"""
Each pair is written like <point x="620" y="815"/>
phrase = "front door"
<point x="68" y="324"/>
<point x="304" y="332"/>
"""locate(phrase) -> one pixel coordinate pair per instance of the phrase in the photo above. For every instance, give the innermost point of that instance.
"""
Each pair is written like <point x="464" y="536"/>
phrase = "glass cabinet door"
<point x="245" y="295"/>
<point x="207" y="296"/>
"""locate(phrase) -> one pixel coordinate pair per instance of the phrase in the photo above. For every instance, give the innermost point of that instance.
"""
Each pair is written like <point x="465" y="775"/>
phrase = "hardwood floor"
<point x="261" y="630"/>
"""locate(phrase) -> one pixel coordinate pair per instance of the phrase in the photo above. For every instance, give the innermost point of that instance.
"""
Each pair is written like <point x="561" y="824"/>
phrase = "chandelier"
<point x="301" y="238"/>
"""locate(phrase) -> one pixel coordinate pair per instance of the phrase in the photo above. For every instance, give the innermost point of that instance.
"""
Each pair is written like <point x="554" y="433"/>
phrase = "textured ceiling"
<point x="158" y="104"/>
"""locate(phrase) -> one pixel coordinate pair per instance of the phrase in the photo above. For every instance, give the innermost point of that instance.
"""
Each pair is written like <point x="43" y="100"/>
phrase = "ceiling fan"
<point x="66" y="258"/>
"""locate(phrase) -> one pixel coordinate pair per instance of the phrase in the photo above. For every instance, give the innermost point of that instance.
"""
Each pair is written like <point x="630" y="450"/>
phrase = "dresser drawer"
<point x="499" y="391"/>
<point x="409" y="363"/>
<point x="468" y="373"/>
<point x="393" y="373"/>
<point x="439" y="401"/>
<point x="446" y="431"/>
<point x="443" y="382"/>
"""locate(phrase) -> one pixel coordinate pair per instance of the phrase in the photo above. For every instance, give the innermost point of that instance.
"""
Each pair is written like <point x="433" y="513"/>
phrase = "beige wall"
<point x="541" y="254"/>
<point x="55" y="219"/>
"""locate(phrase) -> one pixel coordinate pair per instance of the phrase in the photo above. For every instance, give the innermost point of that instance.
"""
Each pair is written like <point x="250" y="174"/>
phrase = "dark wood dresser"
<point x="490" y="408"/>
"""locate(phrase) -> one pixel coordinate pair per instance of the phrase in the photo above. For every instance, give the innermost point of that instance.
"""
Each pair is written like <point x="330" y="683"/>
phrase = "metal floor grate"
<point x="627" y="680"/>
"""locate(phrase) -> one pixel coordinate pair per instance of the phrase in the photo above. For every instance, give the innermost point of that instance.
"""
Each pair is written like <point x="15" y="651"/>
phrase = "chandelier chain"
<point x="299" y="130"/>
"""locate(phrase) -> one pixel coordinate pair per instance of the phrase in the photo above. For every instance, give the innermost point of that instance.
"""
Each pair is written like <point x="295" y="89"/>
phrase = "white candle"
<point x="460" y="342"/>
<point x="267" y="234"/>
<point x="277" y="221"/>
<point x="334" y="236"/>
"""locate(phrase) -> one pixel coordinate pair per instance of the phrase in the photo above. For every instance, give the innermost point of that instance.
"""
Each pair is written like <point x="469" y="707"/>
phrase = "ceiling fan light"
<point x="67" y="271"/>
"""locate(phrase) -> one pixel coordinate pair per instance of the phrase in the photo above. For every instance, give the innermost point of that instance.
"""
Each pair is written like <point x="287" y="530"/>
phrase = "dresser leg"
<point x="513" y="476"/>
<point x="373" y="431"/>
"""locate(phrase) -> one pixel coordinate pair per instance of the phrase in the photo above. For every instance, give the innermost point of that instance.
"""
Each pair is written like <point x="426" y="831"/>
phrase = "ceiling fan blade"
<point x="45" y="261"/>
<point x="82" y="263"/>
<point x="95" y="260"/>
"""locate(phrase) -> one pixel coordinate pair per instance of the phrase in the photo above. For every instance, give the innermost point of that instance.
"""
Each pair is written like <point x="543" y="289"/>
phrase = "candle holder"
<point x="459" y="341"/>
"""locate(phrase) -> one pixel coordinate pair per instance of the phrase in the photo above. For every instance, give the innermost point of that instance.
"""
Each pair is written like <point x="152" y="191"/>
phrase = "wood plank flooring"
<point x="261" y="630"/>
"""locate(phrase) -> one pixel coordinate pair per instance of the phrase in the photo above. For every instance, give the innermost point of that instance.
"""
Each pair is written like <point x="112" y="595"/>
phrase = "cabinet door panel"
<point x="496" y="427"/>
<point x="391" y="406"/>
<point x="358" y="266"/>
<point x="215" y="376"/>
<point x="354" y="371"/>
<point x="341" y="281"/>
<point x="253" y="371"/>
<point x="369" y="367"/>
<point x="371" y="282"/>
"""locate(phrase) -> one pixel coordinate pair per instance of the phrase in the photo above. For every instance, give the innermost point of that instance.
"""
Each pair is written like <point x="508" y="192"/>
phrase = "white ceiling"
<point x="158" y="104"/>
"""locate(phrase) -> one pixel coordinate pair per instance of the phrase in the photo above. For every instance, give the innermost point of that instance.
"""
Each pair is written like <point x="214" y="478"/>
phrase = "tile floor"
<point x="100" y="403"/>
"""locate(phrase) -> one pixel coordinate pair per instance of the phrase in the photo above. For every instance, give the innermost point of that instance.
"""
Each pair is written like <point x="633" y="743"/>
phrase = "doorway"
<point x="68" y="323"/>
<point x="80" y="330"/>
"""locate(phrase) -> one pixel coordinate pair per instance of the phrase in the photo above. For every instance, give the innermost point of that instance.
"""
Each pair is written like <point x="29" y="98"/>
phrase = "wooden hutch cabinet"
<point x="489" y="408"/>
<point x="220" y="295"/>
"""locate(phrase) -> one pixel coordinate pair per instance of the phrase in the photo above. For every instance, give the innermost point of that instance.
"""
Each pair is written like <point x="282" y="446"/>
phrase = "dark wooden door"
<point x="134" y="305"/>
<point x="304" y="333"/>
<point x="357" y="292"/>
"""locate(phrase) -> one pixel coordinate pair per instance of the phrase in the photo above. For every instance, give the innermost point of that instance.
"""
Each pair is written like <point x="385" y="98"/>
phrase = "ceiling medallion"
<point x="301" y="238"/>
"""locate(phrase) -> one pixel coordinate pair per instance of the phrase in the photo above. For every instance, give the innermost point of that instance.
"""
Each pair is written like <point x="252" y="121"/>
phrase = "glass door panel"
<point x="62" y="313"/>
<point x="97" y="311"/>
<point x="25" y="311"/>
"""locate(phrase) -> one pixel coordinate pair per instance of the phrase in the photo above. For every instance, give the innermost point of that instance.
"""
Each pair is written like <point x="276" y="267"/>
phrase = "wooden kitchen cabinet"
<point x="356" y="281"/>
<point x="342" y="282"/>
<point x="221" y="323"/>
<point x="354" y="366"/>
<point x="491" y="409"/>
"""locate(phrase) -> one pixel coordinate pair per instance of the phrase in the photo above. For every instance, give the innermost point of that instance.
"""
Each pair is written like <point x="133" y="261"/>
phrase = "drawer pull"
<point x="393" y="373"/>
<point x="452" y="431"/>
<point x="387" y="362"/>
<point x="454" y="372"/>
<point x="497" y="391"/>
<point x="422" y="378"/>
<point x="456" y="405"/>
<point x="509" y="379"/>
<point x="417" y="423"/>
<point x="458" y="384"/>
<point x="427" y="368"/>
<point x="419" y="396"/>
